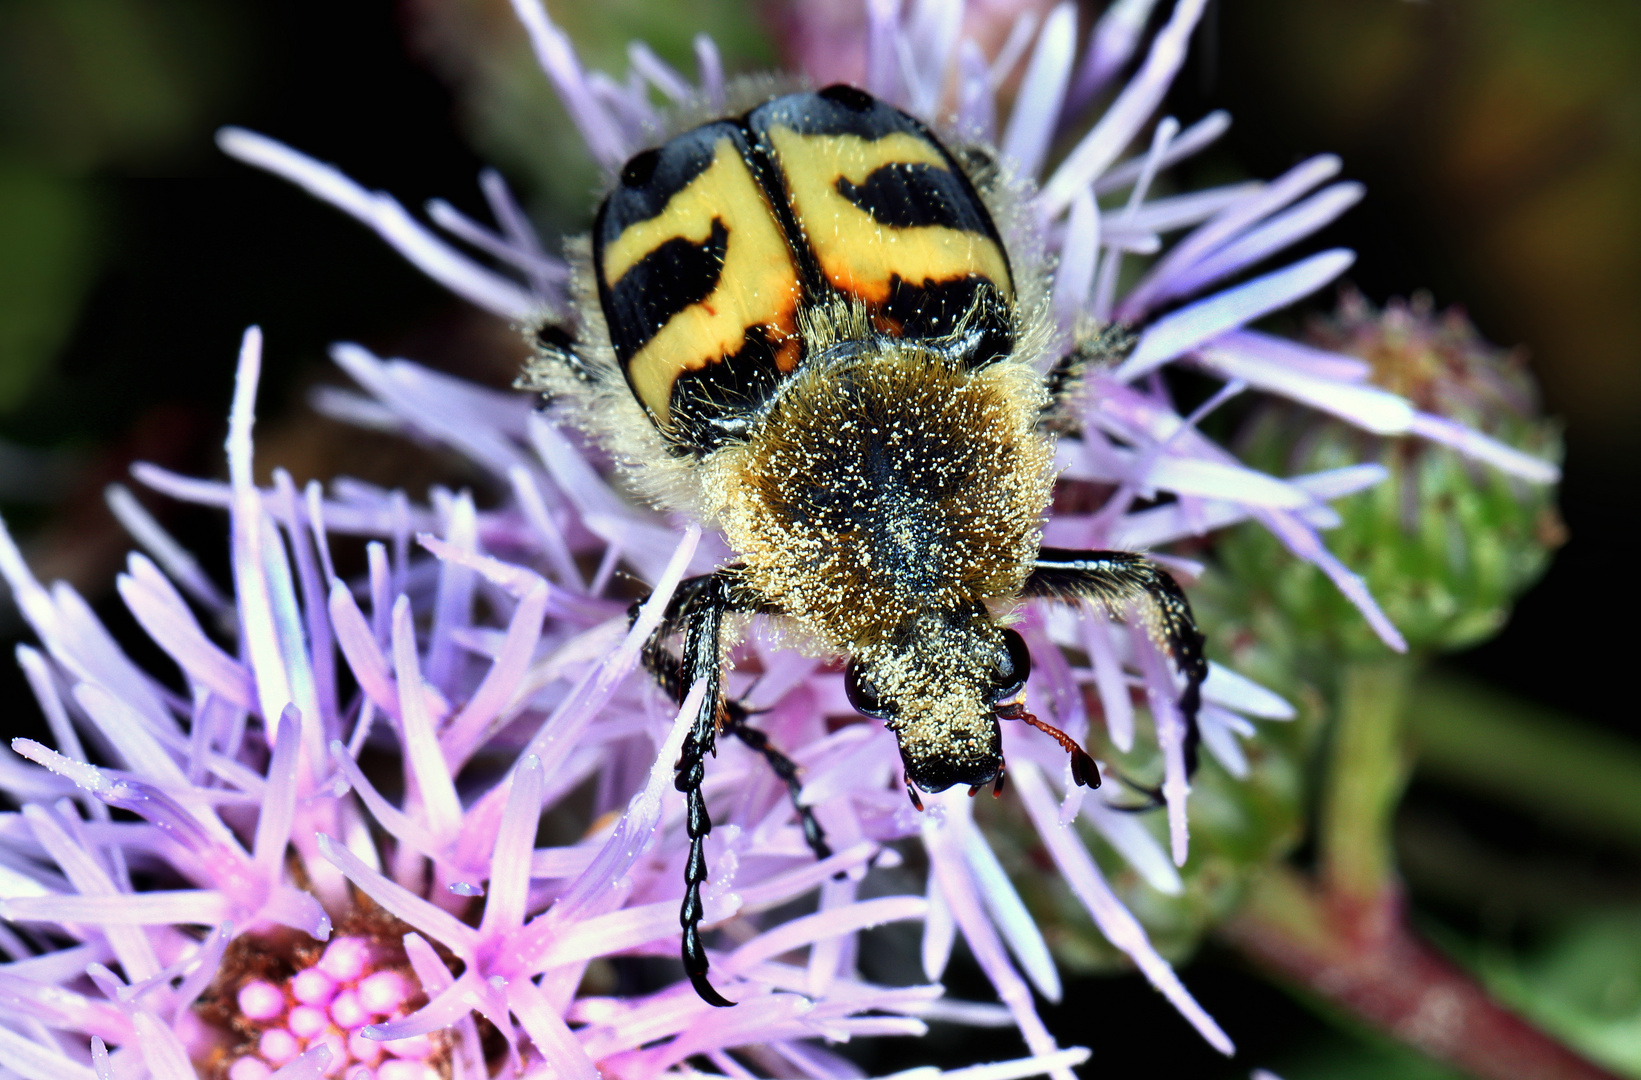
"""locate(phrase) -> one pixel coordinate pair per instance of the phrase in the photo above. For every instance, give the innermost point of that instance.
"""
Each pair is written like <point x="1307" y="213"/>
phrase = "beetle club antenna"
<point x="1083" y="768"/>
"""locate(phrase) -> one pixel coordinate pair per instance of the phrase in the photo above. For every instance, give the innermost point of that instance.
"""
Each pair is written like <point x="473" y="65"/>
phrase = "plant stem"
<point x="1344" y="938"/>
<point x="1367" y="769"/>
<point x="1361" y="958"/>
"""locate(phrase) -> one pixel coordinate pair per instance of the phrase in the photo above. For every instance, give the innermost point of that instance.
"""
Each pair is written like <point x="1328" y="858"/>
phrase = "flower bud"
<point x="1447" y="541"/>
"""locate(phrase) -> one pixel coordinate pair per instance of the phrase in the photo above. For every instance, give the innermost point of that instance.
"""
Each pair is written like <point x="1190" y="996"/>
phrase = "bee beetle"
<point x="801" y="325"/>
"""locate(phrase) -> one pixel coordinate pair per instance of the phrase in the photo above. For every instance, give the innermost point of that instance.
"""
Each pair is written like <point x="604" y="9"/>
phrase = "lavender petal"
<point x="1273" y="235"/>
<point x="1037" y="104"/>
<point x="1474" y="444"/>
<point x="35" y="1061"/>
<point x="709" y="70"/>
<point x="1367" y="407"/>
<point x="557" y="58"/>
<point x="426" y="768"/>
<point x="439" y="925"/>
<point x="1304" y="542"/>
<point x="508" y="893"/>
<point x="273" y="824"/>
<point x="1223" y="228"/>
<point x="382" y="213"/>
<point x="1078" y="255"/>
<point x="1114" y="920"/>
<point x="166" y="618"/>
<point x="178" y="562"/>
<point x="562" y="1051"/>
<point x="1123" y="120"/>
<point x="1194" y="138"/>
<point x="1133" y="841"/>
<point x="1110" y="47"/>
<point x="942" y="840"/>
<point x="1226" y="687"/>
<point x="1183" y="330"/>
<point x="1009" y="914"/>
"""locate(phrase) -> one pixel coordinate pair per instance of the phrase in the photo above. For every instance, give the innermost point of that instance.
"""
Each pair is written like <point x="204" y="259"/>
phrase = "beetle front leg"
<point x="702" y="629"/>
<point x="1116" y="579"/>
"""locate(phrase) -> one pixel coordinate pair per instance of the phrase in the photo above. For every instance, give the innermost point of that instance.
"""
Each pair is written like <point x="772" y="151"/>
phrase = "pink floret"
<point x="312" y="987"/>
<point x="345" y="959"/>
<point x="261" y="1000"/>
<point x="383" y="992"/>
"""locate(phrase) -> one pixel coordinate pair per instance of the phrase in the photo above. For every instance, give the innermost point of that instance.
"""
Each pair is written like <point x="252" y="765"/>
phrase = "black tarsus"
<point x="558" y="344"/>
<point x="1104" y="348"/>
<point x="783" y="767"/>
<point x="1113" y="577"/>
<point x="701" y="661"/>
<point x="1153" y="796"/>
<point x="697" y="608"/>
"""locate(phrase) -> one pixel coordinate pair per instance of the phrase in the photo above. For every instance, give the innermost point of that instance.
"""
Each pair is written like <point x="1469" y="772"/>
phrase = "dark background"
<point x="1500" y="143"/>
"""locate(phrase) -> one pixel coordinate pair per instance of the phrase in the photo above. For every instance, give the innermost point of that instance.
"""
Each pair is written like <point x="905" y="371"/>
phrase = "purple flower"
<point x="498" y="676"/>
<point x="270" y="912"/>
<point x="1132" y="437"/>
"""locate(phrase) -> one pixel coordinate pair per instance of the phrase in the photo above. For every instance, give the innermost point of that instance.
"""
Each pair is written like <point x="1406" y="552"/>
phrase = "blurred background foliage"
<point x="1501" y="144"/>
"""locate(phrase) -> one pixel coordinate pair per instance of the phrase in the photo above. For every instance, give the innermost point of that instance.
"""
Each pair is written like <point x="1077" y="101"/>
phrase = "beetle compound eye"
<point x="862" y="693"/>
<point x="1014" y="669"/>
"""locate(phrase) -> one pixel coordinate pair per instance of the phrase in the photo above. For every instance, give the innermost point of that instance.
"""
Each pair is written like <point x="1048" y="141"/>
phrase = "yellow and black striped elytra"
<point x="802" y="325"/>
<point x="710" y="244"/>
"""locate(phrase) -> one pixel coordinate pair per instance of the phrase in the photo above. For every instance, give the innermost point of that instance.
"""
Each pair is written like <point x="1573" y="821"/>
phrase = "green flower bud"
<point x="1446" y="543"/>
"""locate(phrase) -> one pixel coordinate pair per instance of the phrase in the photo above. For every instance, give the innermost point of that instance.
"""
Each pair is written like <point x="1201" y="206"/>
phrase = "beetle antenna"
<point x="1083" y="768"/>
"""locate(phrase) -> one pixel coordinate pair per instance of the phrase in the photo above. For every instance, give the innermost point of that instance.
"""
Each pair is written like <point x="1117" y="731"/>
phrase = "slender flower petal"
<point x="1120" y="927"/>
<point x="1123" y="121"/>
<point x="178" y="562"/>
<point x="558" y="60"/>
<point x="382" y="213"/>
<point x="1026" y="140"/>
<point x="1158" y="283"/>
<point x="1184" y="330"/>
<point x="1080" y="253"/>
<point x="1368" y="407"/>
<point x="1008" y="911"/>
<point x="1275" y="234"/>
<point x="1474" y="444"/>
<point x="1118" y="33"/>
<point x="943" y="833"/>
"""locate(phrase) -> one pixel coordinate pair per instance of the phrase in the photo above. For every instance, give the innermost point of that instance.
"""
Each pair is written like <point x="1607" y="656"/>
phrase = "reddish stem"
<point x="1361" y="957"/>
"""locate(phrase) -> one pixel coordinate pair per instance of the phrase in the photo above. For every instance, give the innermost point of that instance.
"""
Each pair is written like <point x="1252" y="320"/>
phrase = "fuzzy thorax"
<point x="888" y="487"/>
<point x="882" y="502"/>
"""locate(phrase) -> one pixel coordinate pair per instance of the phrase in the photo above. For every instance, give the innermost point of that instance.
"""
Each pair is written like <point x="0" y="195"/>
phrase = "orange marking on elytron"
<point x="837" y="229"/>
<point x="786" y="356"/>
<point x="758" y="284"/>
